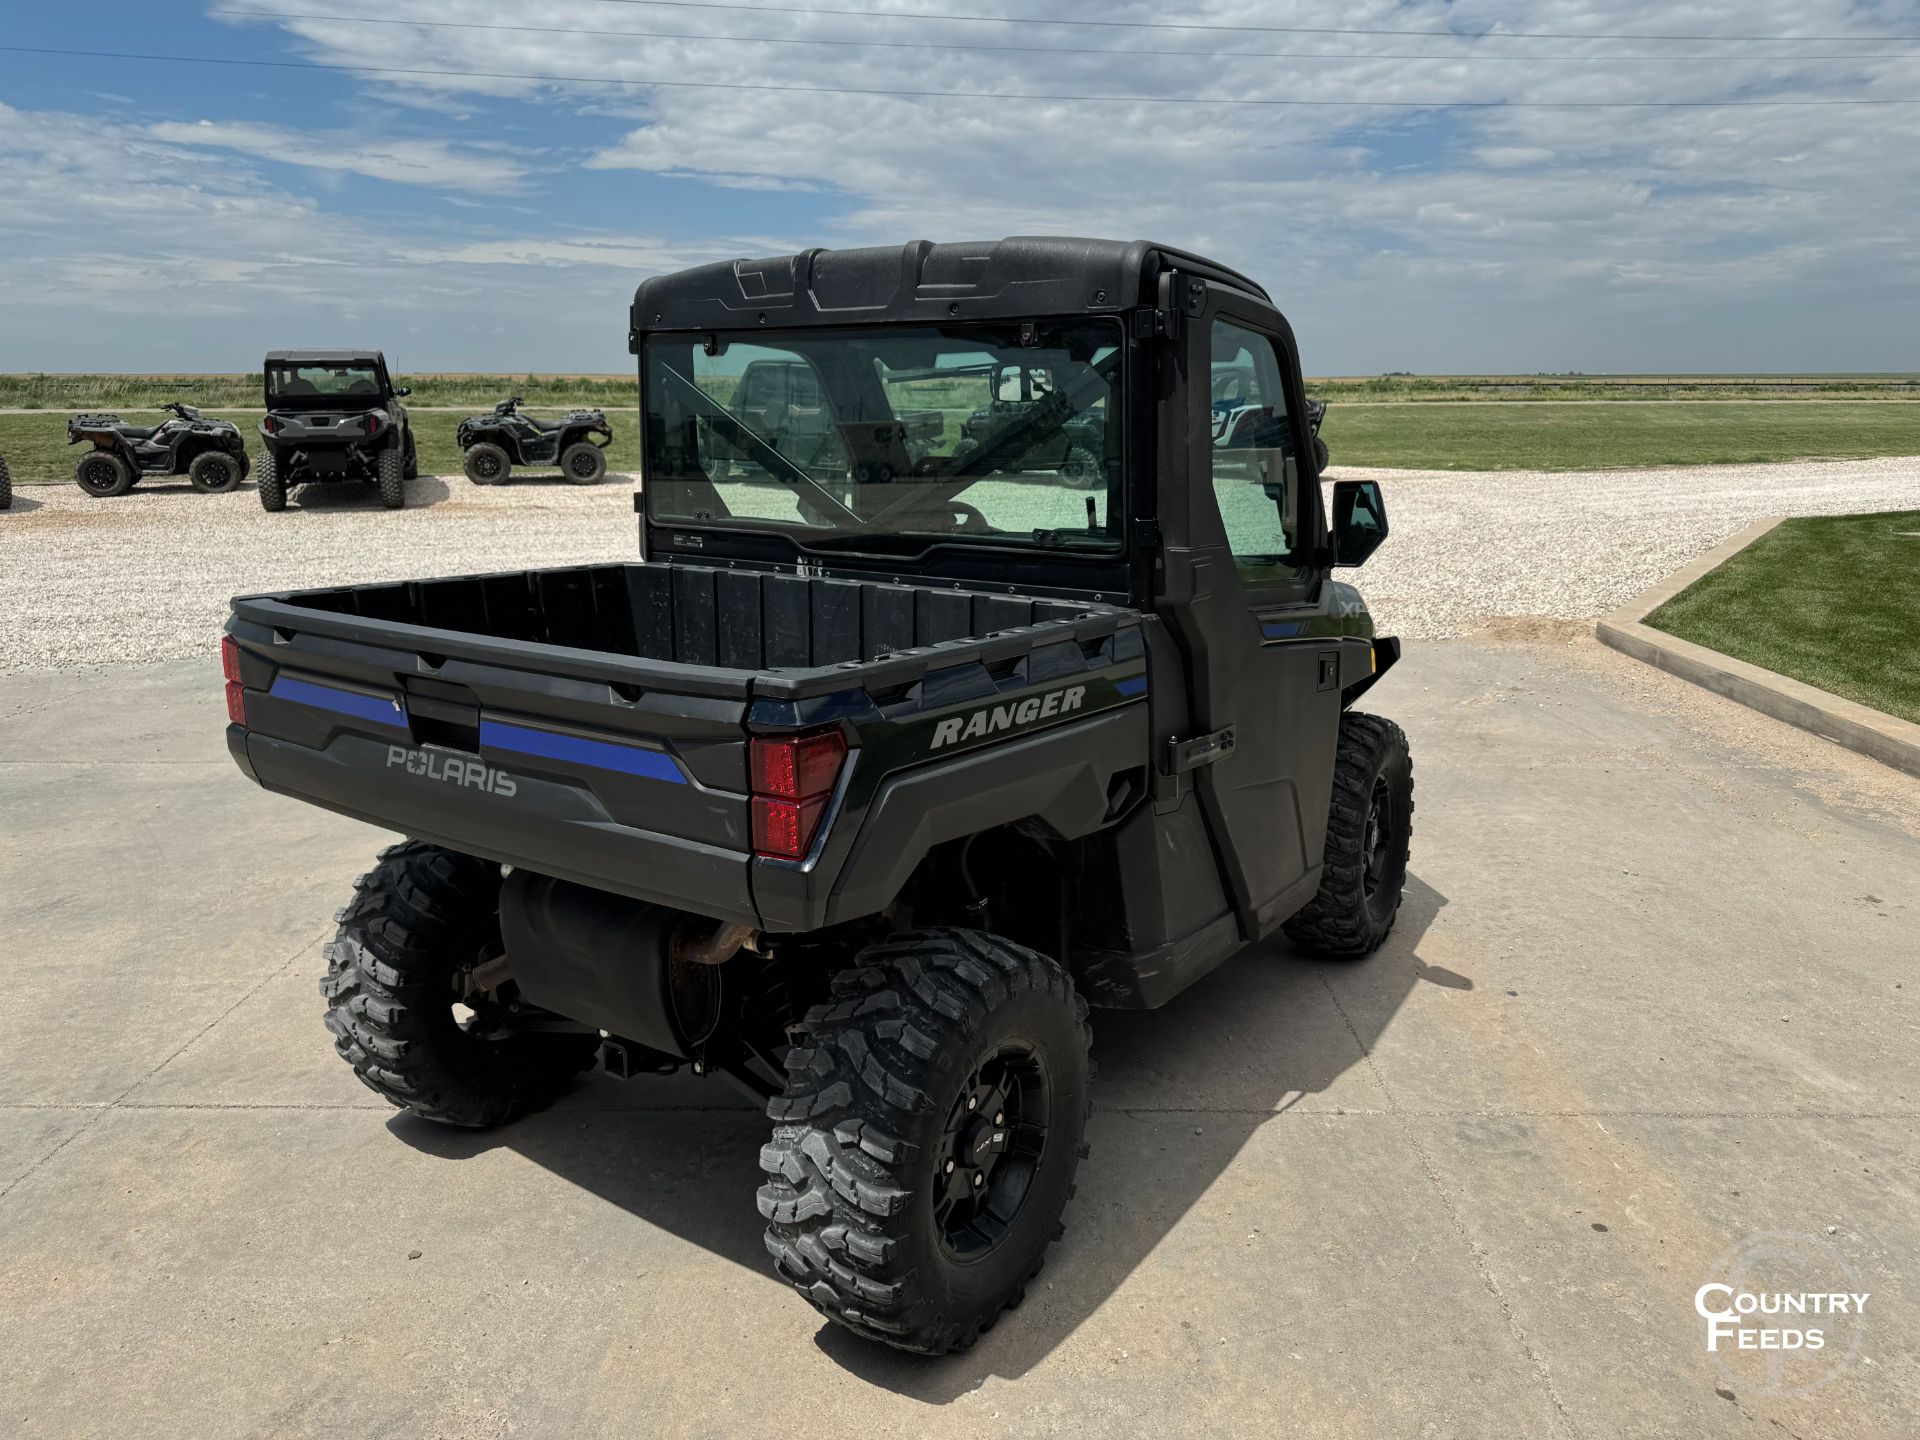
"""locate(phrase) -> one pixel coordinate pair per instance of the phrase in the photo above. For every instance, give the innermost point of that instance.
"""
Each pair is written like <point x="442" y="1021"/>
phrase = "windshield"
<point x="312" y="379"/>
<point x="860" y="437"/>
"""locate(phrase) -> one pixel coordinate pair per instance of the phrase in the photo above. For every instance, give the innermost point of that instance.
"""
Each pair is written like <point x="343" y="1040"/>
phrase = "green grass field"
<point x="1414" y="389"/>
<point x="1543" y="435"/>
<point x="1828" y="601"/>
<point x="1396" y="421"/>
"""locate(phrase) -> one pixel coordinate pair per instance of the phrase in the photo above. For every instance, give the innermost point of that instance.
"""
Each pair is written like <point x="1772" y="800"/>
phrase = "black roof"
<point x="1025" y="275"/>
<point x="331" y="357"/>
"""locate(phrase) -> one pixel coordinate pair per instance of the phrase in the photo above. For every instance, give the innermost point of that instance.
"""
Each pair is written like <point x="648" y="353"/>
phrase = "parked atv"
<point x="494" y="444"/>
<point x="334" y="415"/>
<point x="210" y="453"/>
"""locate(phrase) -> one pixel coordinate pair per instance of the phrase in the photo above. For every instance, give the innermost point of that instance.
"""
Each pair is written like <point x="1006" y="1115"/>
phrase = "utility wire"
<point x="1027" y="49"/>
<point x="149" y="58"/>
<point x="1244" y="29"/>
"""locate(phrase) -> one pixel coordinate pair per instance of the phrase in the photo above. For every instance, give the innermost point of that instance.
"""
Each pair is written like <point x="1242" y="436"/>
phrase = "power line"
<point x="1023" y="49"/>
<point x="1289" y="102"/>
<point x="1245" y="29"/>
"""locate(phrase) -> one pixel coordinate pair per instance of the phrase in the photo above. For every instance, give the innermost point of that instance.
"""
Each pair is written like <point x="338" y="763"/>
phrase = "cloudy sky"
<point x="156" y="214"/>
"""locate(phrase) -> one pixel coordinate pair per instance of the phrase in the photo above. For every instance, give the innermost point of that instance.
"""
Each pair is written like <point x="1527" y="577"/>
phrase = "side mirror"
<point x="403" y="391"/>
<point x="1359" y="520"/>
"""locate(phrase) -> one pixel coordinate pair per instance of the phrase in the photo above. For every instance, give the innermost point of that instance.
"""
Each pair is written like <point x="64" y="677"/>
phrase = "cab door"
<point x="1245" y="599"/>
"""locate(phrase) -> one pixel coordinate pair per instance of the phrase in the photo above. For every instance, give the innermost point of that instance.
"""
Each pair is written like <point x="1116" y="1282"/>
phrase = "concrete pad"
<point x="1640" y="921"/>
<point x="29" y="1136"/>
<point x="142" y="903"/>
<point x="230" y="1267"/>
<point x="1322" y="1199"/>
<point x="1604" y="1230"/>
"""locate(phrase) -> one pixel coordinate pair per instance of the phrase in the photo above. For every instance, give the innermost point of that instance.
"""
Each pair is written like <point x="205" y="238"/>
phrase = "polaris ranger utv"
<point x="493" y="444"/>
<point x="210" y="453"/>
<point x="860" y="794"/>
<point x="334" y="415"/>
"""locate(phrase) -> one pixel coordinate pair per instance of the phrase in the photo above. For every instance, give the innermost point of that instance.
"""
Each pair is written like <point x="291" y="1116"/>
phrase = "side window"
<point x="1256" y="476"/>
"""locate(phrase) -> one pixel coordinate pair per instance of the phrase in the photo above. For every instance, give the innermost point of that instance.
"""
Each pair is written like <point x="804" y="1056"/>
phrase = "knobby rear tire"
<point x="393" y="478"/>
<point x="103" y="474"/>
<point x="273" y="489"/>
<point x="584" y="463"/>
<point x="416" y="920"/>
<point x="214" y="472"/>
<point x="855" y="1169"/>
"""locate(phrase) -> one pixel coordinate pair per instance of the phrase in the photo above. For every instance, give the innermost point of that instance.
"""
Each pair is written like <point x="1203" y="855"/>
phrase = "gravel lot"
<point x="147" y="577"/>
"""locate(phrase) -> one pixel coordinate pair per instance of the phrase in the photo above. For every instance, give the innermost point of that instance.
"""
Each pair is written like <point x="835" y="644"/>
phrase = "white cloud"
<point x="435" y="164"/>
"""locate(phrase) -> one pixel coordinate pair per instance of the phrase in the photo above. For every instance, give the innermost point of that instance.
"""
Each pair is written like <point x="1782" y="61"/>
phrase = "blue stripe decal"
<point x="575" y="750"/>
<point x="1136" y="686"/>
<point x="1282" y="629"/>
<point x="343" y="702"/>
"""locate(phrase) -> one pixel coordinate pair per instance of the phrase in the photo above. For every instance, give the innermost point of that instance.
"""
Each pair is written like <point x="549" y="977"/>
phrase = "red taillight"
<point x="230" y="668"/>
<point x="793" y="778"/>
<point x="794" y="767"/>
<point x="270" y="425"/>
<point x="783" y="829"/>
<point x="373" y="424"/>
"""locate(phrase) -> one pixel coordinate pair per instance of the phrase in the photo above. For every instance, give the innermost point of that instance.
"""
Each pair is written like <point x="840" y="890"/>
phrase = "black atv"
<point x="494" y="444"/>
<point x="210" y="453"/>
<point x="334" y="415"/>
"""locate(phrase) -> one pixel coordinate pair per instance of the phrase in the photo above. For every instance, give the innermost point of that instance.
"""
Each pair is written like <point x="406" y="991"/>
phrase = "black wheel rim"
<point x="584" y="465"/>
<point x="488" y="466"/>
<point x="97" y="475"/>
<point x="990" y="1152"/>
<point x="1377" y="840"/>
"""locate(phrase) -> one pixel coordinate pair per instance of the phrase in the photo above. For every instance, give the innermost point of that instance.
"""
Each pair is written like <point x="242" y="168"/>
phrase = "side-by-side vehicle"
<point x="973" y="676"/>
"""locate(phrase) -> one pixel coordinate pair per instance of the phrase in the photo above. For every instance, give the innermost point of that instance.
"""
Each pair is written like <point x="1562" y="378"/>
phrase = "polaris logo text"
<point x="453" y="770"/>
<point x="995" y="718"/>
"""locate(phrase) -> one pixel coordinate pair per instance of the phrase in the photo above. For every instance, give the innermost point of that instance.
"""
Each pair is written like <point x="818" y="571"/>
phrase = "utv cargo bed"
<point x="592" y="723"/>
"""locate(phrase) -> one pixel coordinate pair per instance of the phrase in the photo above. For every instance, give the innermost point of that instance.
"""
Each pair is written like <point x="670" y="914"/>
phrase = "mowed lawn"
<point x="36" y="448"/>
<point x="1830" y="601"/>
<point x="1624" y="434"/>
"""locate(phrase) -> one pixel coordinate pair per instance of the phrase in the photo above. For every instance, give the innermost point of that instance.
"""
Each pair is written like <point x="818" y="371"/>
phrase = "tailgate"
<point x="615" y="771"/>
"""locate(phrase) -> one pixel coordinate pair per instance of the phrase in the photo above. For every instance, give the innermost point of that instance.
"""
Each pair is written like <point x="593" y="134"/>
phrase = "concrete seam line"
<point x="1860" y="728"/>
<point x="1476" y="1253"/>
<point x="114" y="1104"/>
